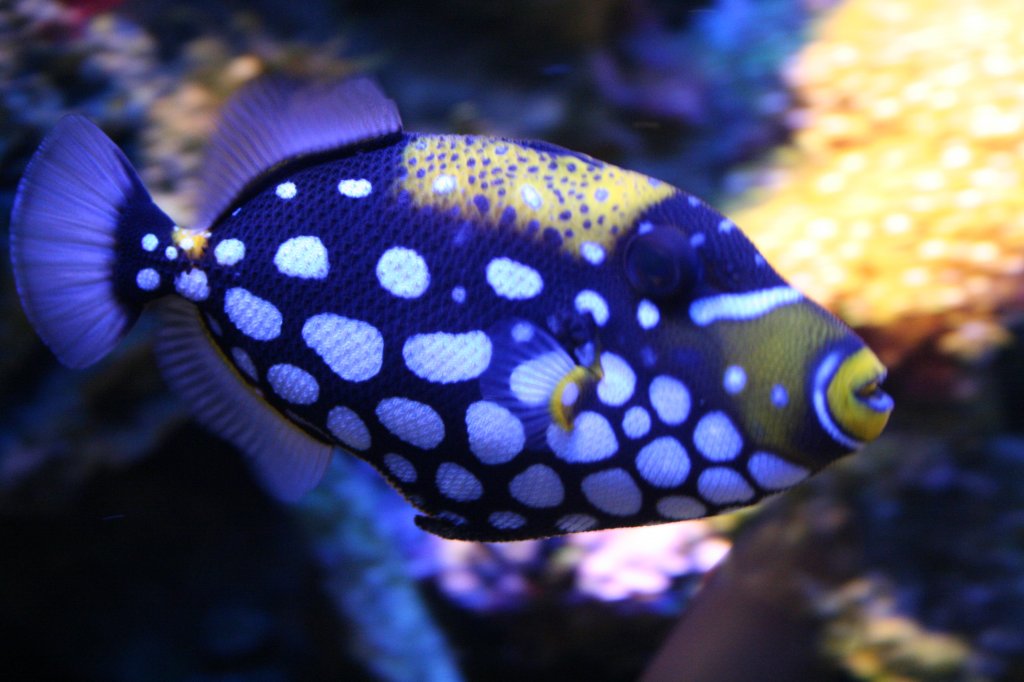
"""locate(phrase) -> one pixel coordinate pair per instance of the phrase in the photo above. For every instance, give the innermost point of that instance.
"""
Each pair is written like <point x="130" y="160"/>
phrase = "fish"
<point x="523" y="340"/>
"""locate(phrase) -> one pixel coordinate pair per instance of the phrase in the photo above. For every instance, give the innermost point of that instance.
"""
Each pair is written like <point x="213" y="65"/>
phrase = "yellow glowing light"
<point x="191" y="242"/>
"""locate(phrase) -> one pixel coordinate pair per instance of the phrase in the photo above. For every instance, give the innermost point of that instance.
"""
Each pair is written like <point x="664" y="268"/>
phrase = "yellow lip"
<point x="855" y="398"/>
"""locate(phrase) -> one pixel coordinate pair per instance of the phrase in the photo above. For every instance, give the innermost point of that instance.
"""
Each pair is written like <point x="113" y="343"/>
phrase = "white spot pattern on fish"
<point x="147" y="279"/>
<point x="293" y="384"/>
<point x="286" y="190"/>
<point x="355" y="188"/>
<point x="538" y="486"/>
<point x="349" y="428"/>
<point x="255" y="317"/>
<point x="613" y="491"/>
<point x="717" y="438"/>
<point x="403" y="272"/>
<point x="443" y="358"/>
<point x="414" y="422"/>
<point x="193" y="285"/>
<point x="589" y="301"/>
<point x="229" y="252"/>
<point x="670" y="399"/>
<point x="353" y="349"/>
<point x="304" y="257"/>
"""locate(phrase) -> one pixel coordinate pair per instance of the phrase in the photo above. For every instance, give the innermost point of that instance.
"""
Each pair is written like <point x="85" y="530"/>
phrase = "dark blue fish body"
<point x="524" y="340"/>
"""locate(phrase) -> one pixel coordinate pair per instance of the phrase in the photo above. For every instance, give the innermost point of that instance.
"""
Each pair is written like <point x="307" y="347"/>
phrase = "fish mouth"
<point x="871" y="394"/>
<point x="848" y="397"/>
<point x="855" y="398"/>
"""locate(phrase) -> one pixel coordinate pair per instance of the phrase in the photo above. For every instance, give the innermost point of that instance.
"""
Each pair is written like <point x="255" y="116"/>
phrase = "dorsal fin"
<point x="275" y="119"/>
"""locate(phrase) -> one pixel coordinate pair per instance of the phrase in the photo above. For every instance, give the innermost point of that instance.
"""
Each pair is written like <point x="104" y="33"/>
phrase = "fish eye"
<point x="660" y="262"/>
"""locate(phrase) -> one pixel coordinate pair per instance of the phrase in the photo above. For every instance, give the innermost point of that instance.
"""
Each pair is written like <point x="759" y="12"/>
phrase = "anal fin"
<point x="289" y="461"/>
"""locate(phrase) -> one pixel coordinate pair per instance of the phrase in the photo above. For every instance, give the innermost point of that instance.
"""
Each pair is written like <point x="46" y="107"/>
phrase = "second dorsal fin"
<point x="275" y="119"/>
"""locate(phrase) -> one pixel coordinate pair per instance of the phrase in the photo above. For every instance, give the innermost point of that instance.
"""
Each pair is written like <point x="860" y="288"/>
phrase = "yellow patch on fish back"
<point x="542" y="192"/>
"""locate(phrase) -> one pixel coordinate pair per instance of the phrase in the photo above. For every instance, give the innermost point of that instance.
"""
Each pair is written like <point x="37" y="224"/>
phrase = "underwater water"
<point x="872" y="149"/>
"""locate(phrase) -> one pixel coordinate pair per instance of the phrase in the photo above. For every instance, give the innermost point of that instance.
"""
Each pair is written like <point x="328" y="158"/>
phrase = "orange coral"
<point x="900" y="204"/>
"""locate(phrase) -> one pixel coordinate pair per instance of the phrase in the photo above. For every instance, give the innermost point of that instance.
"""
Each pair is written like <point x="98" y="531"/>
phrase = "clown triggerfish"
<point x="524" y="340"/>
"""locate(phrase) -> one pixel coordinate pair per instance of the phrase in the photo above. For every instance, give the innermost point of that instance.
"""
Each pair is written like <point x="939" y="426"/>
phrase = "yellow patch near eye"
<point x="849" y="393"/>
<point x="568" y="394"/>
<point x="547" y="194"/>
<point x="192" y="243"/>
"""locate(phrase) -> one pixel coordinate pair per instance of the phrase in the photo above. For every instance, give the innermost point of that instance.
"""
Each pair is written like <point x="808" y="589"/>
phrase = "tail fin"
<point x="75" y="195"/>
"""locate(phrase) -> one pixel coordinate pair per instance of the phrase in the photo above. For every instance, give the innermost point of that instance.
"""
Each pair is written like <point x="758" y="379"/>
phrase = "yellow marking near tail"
<point x="191" y="242"/>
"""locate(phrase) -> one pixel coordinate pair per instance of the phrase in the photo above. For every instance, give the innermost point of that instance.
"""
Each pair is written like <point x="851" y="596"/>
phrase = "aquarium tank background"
<point x="873" y="150"/>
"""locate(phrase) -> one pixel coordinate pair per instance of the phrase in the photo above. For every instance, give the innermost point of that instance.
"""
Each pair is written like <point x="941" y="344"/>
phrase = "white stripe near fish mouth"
<point x="746" y="306"/>
<point x="826" y="370"/>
